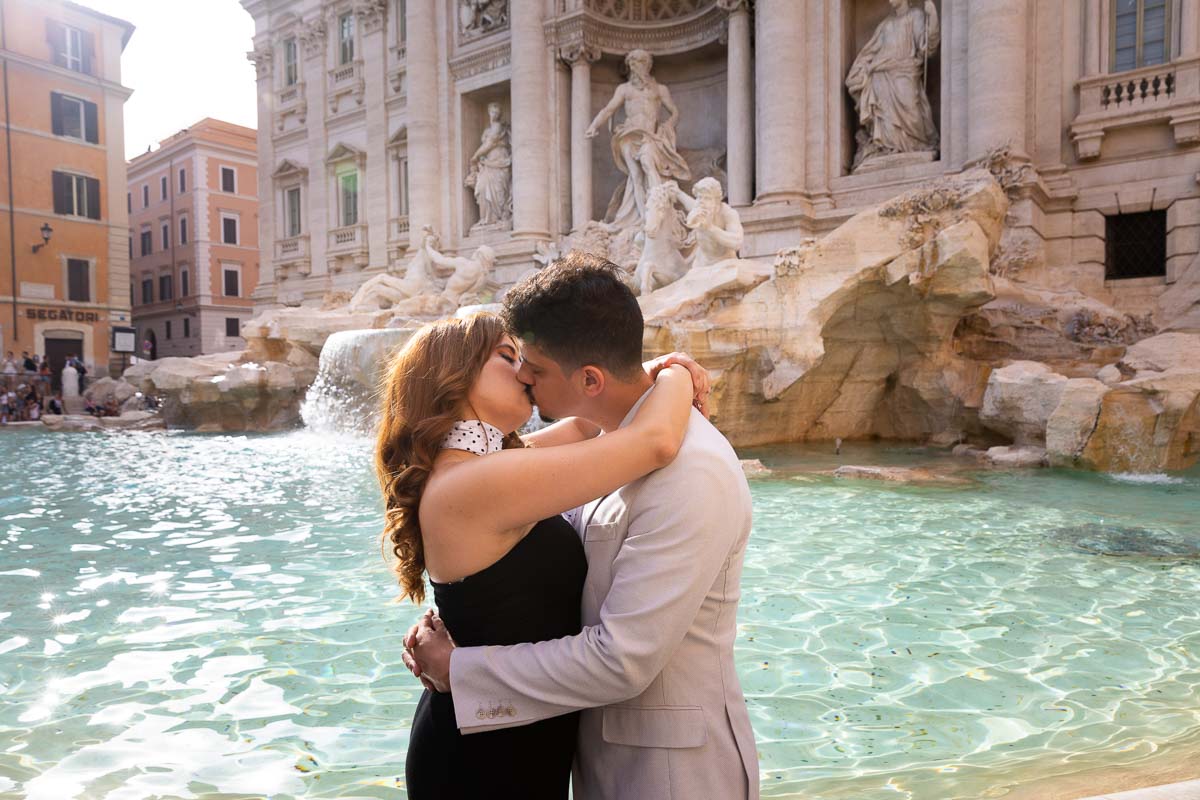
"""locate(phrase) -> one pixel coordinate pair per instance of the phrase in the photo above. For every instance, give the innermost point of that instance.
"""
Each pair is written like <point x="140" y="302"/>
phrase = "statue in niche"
<point x="643" y="147"/>
<point x="887" y="82"/>
<point x="490" y="175"/>
<point x="715" y="225"/>
<point x="477" y="17"/>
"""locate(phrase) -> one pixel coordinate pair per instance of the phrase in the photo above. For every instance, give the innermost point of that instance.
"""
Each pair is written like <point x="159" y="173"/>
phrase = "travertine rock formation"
<point x="852" y="336"/>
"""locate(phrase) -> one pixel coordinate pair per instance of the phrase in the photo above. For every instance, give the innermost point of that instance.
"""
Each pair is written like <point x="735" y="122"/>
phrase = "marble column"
<point x="424" y="177"/>
<point x="1189" y="28"/>
<point x="1091" y="37"/>
<point x="739" y="107"/>
<point x="580" y="57"/>
<point x="781" y="103"/>
<point x="996" y="71"/>
<point x="530" y="93"/>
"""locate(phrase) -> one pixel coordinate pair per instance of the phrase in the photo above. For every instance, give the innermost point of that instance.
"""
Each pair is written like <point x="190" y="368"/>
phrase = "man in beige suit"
<point x="653" y="669"/>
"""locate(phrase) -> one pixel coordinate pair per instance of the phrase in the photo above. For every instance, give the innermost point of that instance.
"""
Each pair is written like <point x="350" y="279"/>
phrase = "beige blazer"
<point x="653" y="670"/>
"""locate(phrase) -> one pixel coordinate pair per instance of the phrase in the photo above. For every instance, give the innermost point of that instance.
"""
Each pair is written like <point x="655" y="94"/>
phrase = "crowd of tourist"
<point x="25" y="387"/>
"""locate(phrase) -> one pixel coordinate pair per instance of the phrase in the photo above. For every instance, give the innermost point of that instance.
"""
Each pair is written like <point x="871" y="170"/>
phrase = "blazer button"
<point x="480" y="715"/>
<point x="510" y="711"/>
<point x="491" y="713"/>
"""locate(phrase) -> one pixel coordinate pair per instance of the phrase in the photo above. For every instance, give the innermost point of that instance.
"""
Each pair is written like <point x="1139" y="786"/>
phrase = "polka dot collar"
<point x="474" y="436"/>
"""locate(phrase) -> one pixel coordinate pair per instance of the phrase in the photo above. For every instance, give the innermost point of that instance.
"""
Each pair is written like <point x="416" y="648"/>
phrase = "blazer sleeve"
<point x="683" y="526"/>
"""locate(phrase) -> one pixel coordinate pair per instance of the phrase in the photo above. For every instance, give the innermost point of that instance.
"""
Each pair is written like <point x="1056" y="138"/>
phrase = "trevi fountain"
<point x="972" y="453"/>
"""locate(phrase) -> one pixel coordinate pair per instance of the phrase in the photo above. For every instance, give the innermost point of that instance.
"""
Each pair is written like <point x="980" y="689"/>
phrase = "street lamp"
<point x="46" y="231"/>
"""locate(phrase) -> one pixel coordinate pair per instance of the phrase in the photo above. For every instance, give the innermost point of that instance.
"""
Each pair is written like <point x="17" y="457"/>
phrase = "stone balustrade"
<point x="293" y="255"/>
<point x="346" y="80"/>
<point x="1146" y="96"/>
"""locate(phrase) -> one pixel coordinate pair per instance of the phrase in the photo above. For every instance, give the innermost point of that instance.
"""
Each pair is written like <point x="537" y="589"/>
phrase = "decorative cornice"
<point x="480" y="61"/>
<point x="312" y="35"/>
<point x="261" y="56"/>
<point x="372" y="13"/>
<point x="584" y="27"/>
<point x="734" y="6"/>
<point x="579" y="51"/>
<point x="288" y="168"/>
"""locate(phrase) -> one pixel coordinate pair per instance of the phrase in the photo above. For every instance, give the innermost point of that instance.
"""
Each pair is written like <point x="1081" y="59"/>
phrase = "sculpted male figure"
<point x="887" y="82"/>
<point x="468" y="276"/>
<point x="718" y="228"/>
<point x="643" y="147"/>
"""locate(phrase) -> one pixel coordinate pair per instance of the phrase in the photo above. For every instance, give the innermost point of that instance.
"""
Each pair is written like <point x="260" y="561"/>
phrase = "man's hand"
<point x="427" y="649"/>
<point x="701" y="385"/>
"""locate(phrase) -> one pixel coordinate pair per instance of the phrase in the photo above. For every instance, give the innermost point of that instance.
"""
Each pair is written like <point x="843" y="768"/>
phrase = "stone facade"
<point x="397" y="94"/>
<point x="193" y="218"/>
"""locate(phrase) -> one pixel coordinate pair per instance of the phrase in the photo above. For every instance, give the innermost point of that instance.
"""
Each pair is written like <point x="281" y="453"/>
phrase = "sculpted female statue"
<point x="887" y="82"/>
<point x="490" y="175"/>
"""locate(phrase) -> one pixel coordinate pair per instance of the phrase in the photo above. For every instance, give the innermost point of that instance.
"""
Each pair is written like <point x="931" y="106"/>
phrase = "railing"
<point x="290" y="95"/>
<point x="294" y="247"/>
<point x="345" y="73"/>
<point x="343" y="80"/>
<point x="399" y="227"/>
<point x="1146" y="96"/>
<point x="351" y="237"/>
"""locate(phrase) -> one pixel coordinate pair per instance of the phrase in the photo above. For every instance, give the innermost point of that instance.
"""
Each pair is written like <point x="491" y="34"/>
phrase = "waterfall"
<point x="345" y="395"/>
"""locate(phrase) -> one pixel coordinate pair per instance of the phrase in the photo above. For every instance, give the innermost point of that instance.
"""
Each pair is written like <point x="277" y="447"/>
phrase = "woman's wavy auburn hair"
<point x="424" y="391"/>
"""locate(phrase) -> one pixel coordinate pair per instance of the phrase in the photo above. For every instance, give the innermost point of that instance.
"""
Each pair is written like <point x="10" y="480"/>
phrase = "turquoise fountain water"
<point x="194" y="616"/>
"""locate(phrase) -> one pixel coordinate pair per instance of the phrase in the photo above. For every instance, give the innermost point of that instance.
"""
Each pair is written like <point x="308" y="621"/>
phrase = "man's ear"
<point x="593" y="380"/>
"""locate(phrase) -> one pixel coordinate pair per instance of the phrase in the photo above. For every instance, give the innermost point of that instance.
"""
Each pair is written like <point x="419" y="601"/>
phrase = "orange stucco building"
<point x="62" y="175"/>
<point x="193" y="231"/>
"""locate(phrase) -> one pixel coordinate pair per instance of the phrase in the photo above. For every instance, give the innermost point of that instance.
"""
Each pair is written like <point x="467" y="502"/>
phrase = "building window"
<point x="182" y="180"/>
<point x="229" y="229"/>
<point x="76" y="195"/>
<point x="401" y="23"/>
<point x="292" y="201"/>
<point x="129" y="202"/>
<point x="70" y="47"/>
<point x="167" y="328"/>
<point x="346" y="38"/>
<point x="229" y="180"/>
<point x="79" y="288"/>
<point x="74" y="118"/>
<point x="183" y="232"/>
<point x="233" y="280"/>
<point x="166" y="236"/>
<point x="148" y="290"/>
<point x="1140" y="33"/>
<point x="187" y="328"/>
<point x="1135" y="245"/>
<point x="402" y="183"/>
<point x="232" y="328"/>
<point x="145" y="196"/>
<point x="164" y="287"/>
<point x="183" y="283"/>
<point x="147" y="240"/>
<point x="131" y="247"/>
<point x="348" y="198"/>
<point x="291" y="66"/>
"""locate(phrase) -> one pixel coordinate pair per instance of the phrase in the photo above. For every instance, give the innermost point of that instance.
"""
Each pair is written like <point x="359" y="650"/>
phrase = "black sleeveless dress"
<point x="531" y="594"/>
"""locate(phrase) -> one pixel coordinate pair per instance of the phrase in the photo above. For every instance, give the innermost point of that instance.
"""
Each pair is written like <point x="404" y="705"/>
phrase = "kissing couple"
<point x="587" y="575"/>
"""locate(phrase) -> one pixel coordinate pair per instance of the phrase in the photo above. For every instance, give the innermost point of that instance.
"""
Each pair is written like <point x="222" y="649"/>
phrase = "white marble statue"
<point x="70" y="385"/>
<point x="468" y="277"/>
<point x="477" y="17"/>
<point x="385" y="291"/>
<point x="887" y="82"/>
<point x="490" y="176"/>
<point x="643" y="146"/>
<point x="663" y="241"/>
<point x="716" y="226"/>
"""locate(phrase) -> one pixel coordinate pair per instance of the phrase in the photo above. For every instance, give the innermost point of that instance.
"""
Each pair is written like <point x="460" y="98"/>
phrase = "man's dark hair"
<point x="578" y="311"/>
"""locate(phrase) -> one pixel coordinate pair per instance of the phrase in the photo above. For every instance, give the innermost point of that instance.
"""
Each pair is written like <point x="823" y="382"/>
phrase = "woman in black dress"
<point x="477" y="508"/>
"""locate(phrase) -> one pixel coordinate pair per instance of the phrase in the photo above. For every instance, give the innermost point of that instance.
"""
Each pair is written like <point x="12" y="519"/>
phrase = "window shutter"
<point x="56" y="35"/>
<point x="93" y="198"/>
<point x="62" y="197"/>
<point x="91" y="123"/>
<point x="89" y="50"/>
<point x="56" y="116"/>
